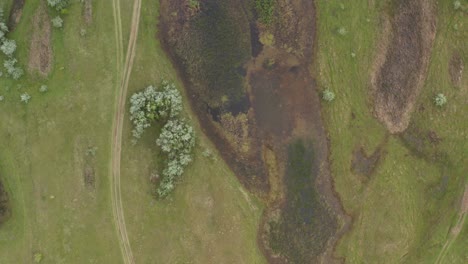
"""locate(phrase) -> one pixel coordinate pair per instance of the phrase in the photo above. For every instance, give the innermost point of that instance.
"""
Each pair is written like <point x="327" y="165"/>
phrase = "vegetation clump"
<point x="25" y="97"/>
<point x="265" y="9"/>
<point x="8" y="48"/>
<point x="328" y="95"/>
<point x="163" y="104"/>
<point x="440" y="100"/>
<point x="58" y="5"/>
<point x="177" y="140"/>
<point x="57" y="22"/>
<point x="154" y="105"/>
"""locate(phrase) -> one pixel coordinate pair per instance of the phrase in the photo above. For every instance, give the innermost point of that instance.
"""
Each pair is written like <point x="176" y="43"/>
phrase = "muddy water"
<point x="282" y="154"/>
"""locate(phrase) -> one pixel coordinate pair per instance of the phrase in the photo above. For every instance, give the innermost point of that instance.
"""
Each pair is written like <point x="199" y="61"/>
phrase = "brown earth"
<point x="15" y="14"/>
<point x="402" y="61"/>
<point x="40" y="51"/>
<point x="4" y="204"/>
<point x="283" y="108"/>
<point x="456" y="67"/>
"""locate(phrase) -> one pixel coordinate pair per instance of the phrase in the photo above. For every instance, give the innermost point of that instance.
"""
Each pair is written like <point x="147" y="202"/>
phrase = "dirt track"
<point x="116" y="195"/>
<point x="456" y="229"/>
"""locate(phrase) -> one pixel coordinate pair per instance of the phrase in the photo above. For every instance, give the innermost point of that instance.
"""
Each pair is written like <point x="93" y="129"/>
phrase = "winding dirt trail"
<point x="116" y="195"/>
<point x="456" y="229"/>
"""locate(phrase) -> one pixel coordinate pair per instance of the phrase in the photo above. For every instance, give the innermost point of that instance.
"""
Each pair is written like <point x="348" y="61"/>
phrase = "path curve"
<point x="456" y="229"/>
<point x="116" y="195"/>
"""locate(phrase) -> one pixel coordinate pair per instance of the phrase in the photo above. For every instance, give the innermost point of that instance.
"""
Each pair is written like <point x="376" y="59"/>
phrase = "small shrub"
<point x="2" y="98"/>
<point x="43" y="88"/>
<point x="25" y="97"/>
<point x="83" y="32"/>
<point x="328" y="95"/>
<point x="38" y="257"/>
<point x="342" y="31"/>
<point x="457" y="5"/>
<point x="440" y="100"/>
<point x="57" y="22"/>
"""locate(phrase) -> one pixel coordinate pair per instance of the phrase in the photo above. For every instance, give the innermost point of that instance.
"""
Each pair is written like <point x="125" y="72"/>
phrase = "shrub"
<point x="58" y="4"/>
<point x="57" y="22"/>
<point x="8" y="47"/>
<point x="15" y="72"/>
<point x="328" y="95"/>
<point x="43" y="88"/>
<point x="457" y="5"/>
<point x="2" y="98"/>
<point x="25" y="97"/>
<point x="440" y="100"/>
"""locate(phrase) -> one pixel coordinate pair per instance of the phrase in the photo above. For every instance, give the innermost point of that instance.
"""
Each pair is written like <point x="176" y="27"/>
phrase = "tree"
<point x="440" y="100"/>
<point x="154" y="104"/>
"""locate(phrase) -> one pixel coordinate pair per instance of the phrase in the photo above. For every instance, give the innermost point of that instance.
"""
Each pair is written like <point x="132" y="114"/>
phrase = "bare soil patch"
<point x="40" y="51"/>
<point x="15" y="14"/>
<point x="456" y="67"/>
<point x="5" y="211"/>
<point x="402" y="61"/>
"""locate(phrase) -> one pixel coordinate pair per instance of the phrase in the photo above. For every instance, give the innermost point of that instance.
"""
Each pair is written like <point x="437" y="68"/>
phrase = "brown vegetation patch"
<point x="402" y="62"/>
<point x="254" y="101"/>
<point x="15" y="14"/>
<point x="364" y="164"/>
<point x="4" y="204"/>
<point x="40" y="51"/>
<point x="88" y="176"/>
<point x="456" y="67"/>
<point x="88" y="11"/>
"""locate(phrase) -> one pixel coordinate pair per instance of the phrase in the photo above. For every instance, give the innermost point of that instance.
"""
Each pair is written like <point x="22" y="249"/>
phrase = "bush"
<point x="25" y="97"/>
<point x="57" y="22"/>
<point x="58" y="4"/>
<point x="440" y="100"/>
<point x="43" y="88"/>
<point x="328" y="95"/>
<point x="15" y="72"/>
<point x="8" y="47"/>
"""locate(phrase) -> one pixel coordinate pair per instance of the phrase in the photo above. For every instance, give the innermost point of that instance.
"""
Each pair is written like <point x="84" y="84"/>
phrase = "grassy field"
<point x="404" y="211"/>
<point x="43" y="159"/>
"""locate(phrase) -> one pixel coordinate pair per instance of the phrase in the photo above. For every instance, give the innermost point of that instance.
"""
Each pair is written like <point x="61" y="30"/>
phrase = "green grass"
<point x="42" y="154"/>
<point x="403" y="213"/>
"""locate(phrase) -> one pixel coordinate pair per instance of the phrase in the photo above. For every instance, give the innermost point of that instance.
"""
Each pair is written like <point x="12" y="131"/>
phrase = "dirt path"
<point x="456" y="229"/>
<point x="116" y="194"/>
